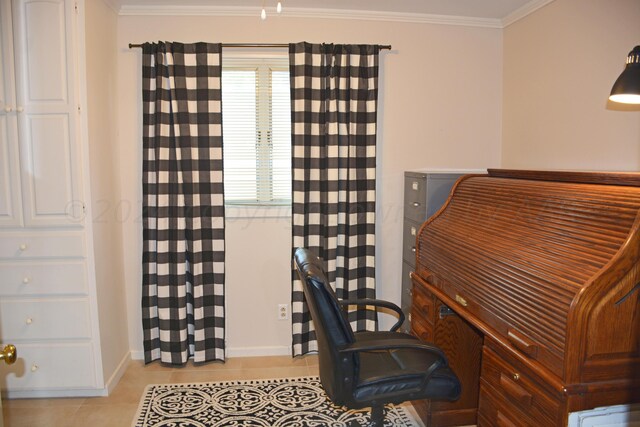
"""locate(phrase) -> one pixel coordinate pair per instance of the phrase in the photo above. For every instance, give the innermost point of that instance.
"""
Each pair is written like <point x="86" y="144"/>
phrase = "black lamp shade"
<point x="627" y="88"/>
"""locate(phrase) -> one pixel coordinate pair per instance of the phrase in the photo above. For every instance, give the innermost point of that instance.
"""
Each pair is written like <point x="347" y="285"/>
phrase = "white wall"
<point x="440" y="107"/>
<point x="101" y="58"/>
<point x="559" y="65"/>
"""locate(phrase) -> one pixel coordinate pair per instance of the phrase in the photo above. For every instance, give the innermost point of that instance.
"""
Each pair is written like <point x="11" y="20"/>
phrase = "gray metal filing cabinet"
<point x="424" y="194"/>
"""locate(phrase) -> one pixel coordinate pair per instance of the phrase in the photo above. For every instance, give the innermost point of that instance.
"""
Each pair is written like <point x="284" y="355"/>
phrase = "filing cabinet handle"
<point x="515" y="390"/>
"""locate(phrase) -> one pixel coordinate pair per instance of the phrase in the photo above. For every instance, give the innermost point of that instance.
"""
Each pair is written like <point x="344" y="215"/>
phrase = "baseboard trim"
<point x="258" y="351"/>
<point x="113" y="381"/>
<point x="71" y="392"/>
<point x="238" y="352"/>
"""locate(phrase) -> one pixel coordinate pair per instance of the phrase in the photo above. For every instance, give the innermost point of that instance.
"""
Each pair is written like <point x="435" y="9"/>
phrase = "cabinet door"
<point x="10" y="208"/>
<point x="47" y="111"/>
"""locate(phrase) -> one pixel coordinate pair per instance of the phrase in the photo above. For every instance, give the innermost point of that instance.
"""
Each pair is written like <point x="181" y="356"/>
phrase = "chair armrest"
<point x="378" y="303"/>
<point x="388" y="344"/>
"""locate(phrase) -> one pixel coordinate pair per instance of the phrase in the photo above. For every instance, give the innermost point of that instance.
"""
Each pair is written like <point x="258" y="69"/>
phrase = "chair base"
<point x="377" y="416"/>
<point x="376" y="420"/>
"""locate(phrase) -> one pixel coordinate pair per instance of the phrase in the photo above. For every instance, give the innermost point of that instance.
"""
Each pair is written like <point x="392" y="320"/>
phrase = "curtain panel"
<point x="183" y="203"/>
<point x="334" y="91"/>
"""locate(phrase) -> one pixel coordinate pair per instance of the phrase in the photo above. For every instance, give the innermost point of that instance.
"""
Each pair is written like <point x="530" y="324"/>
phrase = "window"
<point x="256" y="120"/>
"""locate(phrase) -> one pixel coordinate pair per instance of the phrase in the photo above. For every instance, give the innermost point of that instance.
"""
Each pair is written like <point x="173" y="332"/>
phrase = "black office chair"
<point x="369" y="369"/>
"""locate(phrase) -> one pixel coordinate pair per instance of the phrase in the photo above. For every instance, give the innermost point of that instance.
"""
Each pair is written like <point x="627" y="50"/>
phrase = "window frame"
<point x="263" y="62"/>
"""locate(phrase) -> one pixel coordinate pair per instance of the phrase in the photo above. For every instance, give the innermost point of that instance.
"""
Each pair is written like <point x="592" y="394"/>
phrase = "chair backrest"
<point x="331" y="326"/>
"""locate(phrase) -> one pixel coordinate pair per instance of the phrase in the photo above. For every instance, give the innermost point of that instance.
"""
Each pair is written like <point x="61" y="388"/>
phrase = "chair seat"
<point x="401" y="372"/>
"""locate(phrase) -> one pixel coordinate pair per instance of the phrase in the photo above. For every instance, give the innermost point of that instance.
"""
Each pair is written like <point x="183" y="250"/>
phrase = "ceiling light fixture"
<point x="627" y="88"/>
<point x="263" y="13"/>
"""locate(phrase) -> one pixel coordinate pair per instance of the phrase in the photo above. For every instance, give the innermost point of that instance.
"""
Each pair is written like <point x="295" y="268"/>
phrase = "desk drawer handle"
<point x="514" y="390"/>
<point x="523" y="343"/>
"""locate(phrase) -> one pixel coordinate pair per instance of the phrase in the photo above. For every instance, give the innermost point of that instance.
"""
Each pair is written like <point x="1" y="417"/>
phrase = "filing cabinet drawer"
<point x="51" y="366"/>
<point x="53" y="318"/>
<point x="407" y="286"/>
<point x="514" y="386"/>
<point x="43" y="278"/>
<point x="415" y="198"/>
<point x="15" y="246"/>
<point x="409" y="241"/>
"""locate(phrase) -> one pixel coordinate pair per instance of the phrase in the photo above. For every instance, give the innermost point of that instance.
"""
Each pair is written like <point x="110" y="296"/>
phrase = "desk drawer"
<point x="517" y="388"/>
<point x="495" y="413"/>
<point x="52" y="318"/>
<point x="423" y="304"/>
<point x="421" y="329"/>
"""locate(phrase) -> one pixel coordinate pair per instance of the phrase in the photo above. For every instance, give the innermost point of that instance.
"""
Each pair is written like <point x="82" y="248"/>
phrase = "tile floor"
<point x="120" y="407"/>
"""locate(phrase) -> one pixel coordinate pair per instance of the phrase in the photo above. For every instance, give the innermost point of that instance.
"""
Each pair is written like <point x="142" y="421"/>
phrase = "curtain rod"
<point x="132" y="45"/>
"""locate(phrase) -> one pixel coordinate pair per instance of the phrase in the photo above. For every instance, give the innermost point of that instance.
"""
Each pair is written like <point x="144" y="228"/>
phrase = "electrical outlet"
<point x="283" y="311"/>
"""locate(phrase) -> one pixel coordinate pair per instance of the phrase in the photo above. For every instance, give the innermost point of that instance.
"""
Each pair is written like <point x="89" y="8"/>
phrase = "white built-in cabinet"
<point x="48" y="306"/>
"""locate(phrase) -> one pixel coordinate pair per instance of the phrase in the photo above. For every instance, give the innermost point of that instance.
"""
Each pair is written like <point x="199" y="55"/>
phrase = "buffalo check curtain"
<point x="183" y="203"/>
<point x="334" y="90"/>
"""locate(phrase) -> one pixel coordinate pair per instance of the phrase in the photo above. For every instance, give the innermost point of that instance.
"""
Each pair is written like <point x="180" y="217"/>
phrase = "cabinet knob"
<point x="34" y="367"/>
<point x="23" y="247"/>
<point x="7" y="109"/>
<point x="413" y="249"/>
<point x="9" y="354"/>
<point x="516" y="376"/>
<point x="416" y="204"/>
<point x="25" y="280"/>
<point x="19" y="109"/>
<point x="28" y="321"/>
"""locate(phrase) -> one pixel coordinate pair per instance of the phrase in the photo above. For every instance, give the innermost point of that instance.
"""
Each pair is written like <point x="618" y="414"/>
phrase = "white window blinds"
<point x="256" y="120"/>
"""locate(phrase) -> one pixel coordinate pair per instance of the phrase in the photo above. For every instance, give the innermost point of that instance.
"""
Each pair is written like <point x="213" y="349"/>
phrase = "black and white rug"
<point x="287" y="402"/>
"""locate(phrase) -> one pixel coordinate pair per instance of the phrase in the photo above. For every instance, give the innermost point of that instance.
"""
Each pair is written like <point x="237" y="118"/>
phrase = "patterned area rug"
<point x="289" y="402"/>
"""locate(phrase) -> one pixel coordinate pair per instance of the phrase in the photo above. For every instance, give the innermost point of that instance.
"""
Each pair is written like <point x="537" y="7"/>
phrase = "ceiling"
<point x="482" y="9"/>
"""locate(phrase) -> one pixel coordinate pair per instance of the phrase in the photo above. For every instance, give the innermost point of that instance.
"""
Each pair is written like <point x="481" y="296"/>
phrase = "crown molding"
<point x="112" y="4"/>
<point x="525" y="10"/>
<point x="310" y="13"/>
<point x="364" y="15"/>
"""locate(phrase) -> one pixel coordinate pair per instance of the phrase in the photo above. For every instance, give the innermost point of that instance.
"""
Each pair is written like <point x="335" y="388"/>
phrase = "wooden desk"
<point x="529" y="282"/>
